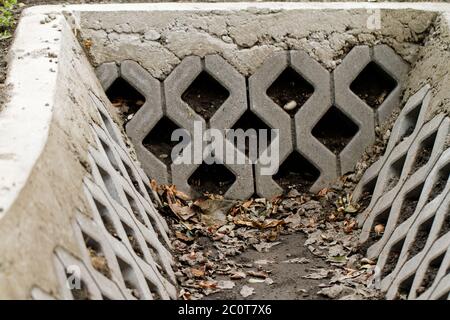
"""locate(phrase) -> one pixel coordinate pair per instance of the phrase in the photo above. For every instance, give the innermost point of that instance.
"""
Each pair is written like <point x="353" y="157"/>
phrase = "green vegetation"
<point x="6" y="18"/>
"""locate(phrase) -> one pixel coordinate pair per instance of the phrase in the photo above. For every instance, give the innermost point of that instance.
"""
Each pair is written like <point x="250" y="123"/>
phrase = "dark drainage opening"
<point x="205" y="95"/>
<point x="97" y="255"/>
<point x="80" y="293"/>
<point x="421" y="238"/>
<point x="395" y="172"/>
<point x="405" y="286"/>
<point x="335" y="130"/>
<point x="375" y="235"/>
<point x="124" y="97"/>
<point x="250" y="121"/>
<point x="424" y="152"/>
<point x="290" y="91"/>
<point x="373" y="85"/>
<point x="411" y="121"/>
<point x="440" y="183"/>
<point x="296" y="172"/>
<point x="159" y="142"/>
<point x="431" y="273"/>
<point x="445" y="227"/>
<point x="213" y="178"/>
<point x="410" y="203"/>
<point x="392" y="258"/>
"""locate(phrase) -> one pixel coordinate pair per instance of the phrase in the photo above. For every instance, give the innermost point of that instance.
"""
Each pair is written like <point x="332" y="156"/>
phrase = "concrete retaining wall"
<point x="66" y="175"/>
<point x="164" y="99"/>
<point x="70" y="186"/>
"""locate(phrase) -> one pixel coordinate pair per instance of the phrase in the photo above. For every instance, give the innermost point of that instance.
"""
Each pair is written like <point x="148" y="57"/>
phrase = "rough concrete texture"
<point x="42" y="207"/>
<point x="49" y="225"/>
<point x="410" y="186"/>
<point x="294" y="132"/>
<point x="246" y="37"/>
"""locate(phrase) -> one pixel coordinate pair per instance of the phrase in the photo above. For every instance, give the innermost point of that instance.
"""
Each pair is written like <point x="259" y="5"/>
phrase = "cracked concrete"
<point x="245" y="38"/>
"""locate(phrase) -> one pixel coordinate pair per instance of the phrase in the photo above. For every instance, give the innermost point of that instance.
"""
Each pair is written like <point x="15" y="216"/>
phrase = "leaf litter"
<point x="209" y="232"/>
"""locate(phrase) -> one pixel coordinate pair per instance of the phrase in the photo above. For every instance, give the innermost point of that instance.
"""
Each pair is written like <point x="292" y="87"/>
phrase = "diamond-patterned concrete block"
<point x="413" y="174"/>
<point x="411" y="199"/>
<point x="145" y="118"/>
<point x="236" y="104"/>
<point x="107" y="73"/>
<point x="310" y="114"/>
<point x="421" y="229"/>
<point x="287" y="76"/>
<point x="273" y="115"/>
<point x="175" y="85"/>
<point x="353" y="106"/>
<point x="397" y="68"/>
<point x="407" y="126"/>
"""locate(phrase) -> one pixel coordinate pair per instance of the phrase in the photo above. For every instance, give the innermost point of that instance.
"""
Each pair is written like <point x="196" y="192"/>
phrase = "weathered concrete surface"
<point x="43" y="175"/>
<point x="46" y="134"/>
<point x="248" y="37"/>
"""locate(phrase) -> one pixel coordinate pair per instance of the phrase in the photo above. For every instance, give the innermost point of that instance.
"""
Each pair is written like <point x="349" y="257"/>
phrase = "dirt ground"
<point x="287" y="275"/>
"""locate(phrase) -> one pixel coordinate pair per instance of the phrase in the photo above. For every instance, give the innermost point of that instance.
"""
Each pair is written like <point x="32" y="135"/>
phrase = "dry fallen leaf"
<point x="208" y="284"/>
<point x="323" y="192"/>
<point x="247" y="291"/>
<point x="265" y="246"/>
<point x="236" y="275"/>
<point x="225" y="284"/>
<point x="198" y="273"/>
<point x="182" y="212"/>
<point x="183" y="236"/>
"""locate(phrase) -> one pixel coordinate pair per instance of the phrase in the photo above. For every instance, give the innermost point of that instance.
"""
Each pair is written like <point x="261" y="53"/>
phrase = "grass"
<point x="6" y="18"/>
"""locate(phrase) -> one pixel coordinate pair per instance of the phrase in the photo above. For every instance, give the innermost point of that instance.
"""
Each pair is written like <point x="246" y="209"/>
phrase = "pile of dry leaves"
<point x="208" y="232"/>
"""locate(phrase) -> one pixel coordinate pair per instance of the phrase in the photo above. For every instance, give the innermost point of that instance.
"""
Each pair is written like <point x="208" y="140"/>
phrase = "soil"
<point x="296" y="172"/>
<point x="159" y="141"/>
<point x="250" y="121"/>
<point x="205" y="95"/>
<point x="392" y="259"/>
<point x="419" y="241"/>
<point x="82" y="293"/>
<point x="335" y="130"/>
<point x="409" y="205"/>
<point x="288" y="283"/>
<point x="430" y="275"/>
<point x="439" y="185"/>
<point x="125" y="98"/>
<point x="373" y="85"/>
<point x="214" y="179"/>
<point x="424" y="153"/>
<point x="290" y="86"/>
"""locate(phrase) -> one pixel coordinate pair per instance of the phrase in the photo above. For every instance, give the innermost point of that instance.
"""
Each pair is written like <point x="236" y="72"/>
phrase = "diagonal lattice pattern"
<point x="290" y="92"/>
<point x="410" y="188"/>
<point x="124" y="244"/>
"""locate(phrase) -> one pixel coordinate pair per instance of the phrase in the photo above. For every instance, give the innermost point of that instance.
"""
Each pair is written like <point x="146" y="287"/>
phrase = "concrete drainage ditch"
<point x="369" y="101"/>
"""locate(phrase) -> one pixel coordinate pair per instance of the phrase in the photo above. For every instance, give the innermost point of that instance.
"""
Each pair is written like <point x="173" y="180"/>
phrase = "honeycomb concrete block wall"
<point x="296" y="130"/>
<point x="77" y="182"/>
<point x="410" y="188"/>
